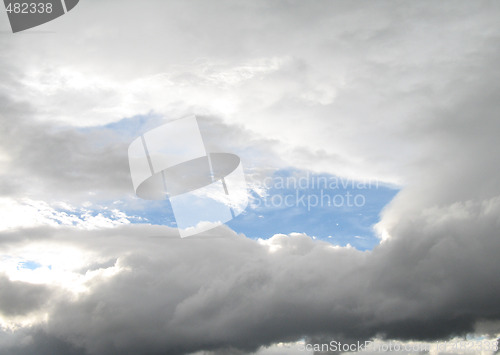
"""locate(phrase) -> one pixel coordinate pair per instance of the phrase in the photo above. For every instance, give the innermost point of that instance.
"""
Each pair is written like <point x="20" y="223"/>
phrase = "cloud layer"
<point x="407" y="94"/>
<point x="143" y="292"/>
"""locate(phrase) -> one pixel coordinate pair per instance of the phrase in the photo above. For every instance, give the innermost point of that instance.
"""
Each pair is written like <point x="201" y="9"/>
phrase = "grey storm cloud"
<point x="63" y="161"/>
<point x="68" y="163"/>
<point x="179" y="296"/>
<point x="19" y="298"/>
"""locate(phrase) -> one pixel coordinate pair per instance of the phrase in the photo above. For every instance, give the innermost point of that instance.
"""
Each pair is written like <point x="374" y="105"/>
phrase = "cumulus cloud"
<point x="351" y="91"/>
<point x="172" y="295"/>
<point x="21" y="298"/>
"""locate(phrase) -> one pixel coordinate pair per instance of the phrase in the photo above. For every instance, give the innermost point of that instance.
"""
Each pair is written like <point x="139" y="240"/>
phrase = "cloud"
<point x="350" y="91"/>
<point x="64" y="163"/>
<point x="20" y="298"/>
<point x="168" y="295"/>
<point x="29" y="213"/>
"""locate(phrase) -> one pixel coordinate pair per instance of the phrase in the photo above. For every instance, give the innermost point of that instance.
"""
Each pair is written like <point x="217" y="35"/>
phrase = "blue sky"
<point x="292" y="204"/>
<point x="324" y="206"/>
<point x="338" y="210"/>
<point x="349" y="218"/>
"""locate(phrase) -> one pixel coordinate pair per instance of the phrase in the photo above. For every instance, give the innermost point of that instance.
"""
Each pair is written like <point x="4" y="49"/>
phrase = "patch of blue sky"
<point x="324" y="206"/>
<point x="132" y="127"/>
<point x="329" y="208"/>
<point x="112" y="211"/>
<point x="124" y="130"/>
<point x="149" y="212"/>
<point x="84" y="213"/>
<point x="336" y="210"/>
<point x="30" y="265"/>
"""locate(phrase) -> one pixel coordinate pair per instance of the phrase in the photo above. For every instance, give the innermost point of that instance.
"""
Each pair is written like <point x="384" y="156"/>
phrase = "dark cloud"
<point x="178" y="296"/>
<point x="54" y="162"/>
<point x="34" y="341"/>
<point x="21" y="298"/>
<point x="62" y="161"/>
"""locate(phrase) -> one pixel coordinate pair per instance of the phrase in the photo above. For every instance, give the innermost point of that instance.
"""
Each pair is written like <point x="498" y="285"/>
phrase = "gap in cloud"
<point x="337" y="210"/>
<point x="327" y="207"/>
<point x="131" y="127"/>
<point x="30" y="265"/>
<point x="125" y="129"/>
<point x="150" y="212"/>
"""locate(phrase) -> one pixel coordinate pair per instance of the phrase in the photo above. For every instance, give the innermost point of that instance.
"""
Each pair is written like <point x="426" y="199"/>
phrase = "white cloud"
<point x="29" y="213"/>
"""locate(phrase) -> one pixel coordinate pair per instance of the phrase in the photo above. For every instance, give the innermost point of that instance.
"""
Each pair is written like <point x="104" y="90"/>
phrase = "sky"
<point x="390" y="109"/>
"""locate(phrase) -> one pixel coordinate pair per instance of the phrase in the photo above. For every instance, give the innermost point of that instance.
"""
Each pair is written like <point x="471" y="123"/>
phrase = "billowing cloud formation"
<point x="20" y="298"/>
<point x="166" y="295"/>
<point x="354" y="91"/>
<point x="406" y="93"/>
